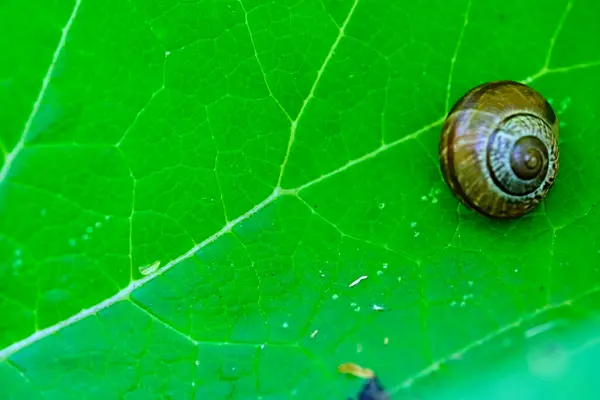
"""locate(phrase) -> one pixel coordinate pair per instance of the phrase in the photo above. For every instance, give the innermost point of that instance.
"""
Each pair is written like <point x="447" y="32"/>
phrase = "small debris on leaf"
<point x="373" y="390"/>
<point x="358" y="280"/>
<point x="149" y="269"/>
<point x="356" y="370"/>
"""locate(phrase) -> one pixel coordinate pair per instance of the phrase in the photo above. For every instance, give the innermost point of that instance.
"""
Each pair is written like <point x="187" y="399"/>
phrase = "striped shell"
<point x="498" y="149"/>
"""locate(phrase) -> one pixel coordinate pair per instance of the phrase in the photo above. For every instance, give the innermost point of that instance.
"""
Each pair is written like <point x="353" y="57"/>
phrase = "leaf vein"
<point x="408" y="382"/>
<point x="10" y="157"/>
<point x="260" y="66"/>
<point x="366" y="157"/>
<point x="124" y="293"/>
<point x="312" y="91"/>
<point x="156" y="318"/>
<point x="454" y="55"/>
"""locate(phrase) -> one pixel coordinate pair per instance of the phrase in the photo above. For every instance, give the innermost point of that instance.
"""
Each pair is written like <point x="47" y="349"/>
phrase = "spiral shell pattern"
<point x="498" y="149"/>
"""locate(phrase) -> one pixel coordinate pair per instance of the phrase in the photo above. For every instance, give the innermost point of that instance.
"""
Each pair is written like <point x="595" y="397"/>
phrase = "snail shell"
<point x="498" y="149"/>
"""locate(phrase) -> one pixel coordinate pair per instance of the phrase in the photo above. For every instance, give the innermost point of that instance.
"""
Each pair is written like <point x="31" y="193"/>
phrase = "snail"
<point x="499" y="149"/>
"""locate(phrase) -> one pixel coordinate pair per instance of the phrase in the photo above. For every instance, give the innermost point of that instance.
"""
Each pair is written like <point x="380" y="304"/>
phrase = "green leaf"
<point x="189" y="189"/>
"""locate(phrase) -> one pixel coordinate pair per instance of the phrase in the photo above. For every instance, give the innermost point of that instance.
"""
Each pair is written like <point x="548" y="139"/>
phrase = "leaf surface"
<point x="189" y="189"/>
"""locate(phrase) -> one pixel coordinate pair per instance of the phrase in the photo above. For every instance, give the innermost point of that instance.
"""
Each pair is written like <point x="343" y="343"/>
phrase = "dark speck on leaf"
<point x="373" y="390"/>
<point x="541" y="288"/>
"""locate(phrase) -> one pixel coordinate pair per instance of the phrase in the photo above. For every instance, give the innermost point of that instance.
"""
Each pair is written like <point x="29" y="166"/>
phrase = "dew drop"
<point x="285" y="325"/>
<point x="381" y="206"/>
<point x="564" y="105"/>
<point x="72" y="242"/>
<point x="334" y="297"/>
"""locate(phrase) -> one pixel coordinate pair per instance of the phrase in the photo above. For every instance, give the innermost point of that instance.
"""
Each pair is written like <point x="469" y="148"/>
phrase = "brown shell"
<point x="478" y="142"/>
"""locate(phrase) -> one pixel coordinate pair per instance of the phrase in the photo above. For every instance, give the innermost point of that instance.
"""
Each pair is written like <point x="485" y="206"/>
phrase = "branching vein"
<point x="366" y="157"/>
<point x="262" y="70"/>
<point x="408" y="382"/>
<point x="10" y="157"/>
<point x="125" y="292"/>
<point x="156" y="318"/>
<point x="456" y="50"/>
<point x="312" y="91"/>
<point x="546" y="67"/>
<point x="557" y="31"/>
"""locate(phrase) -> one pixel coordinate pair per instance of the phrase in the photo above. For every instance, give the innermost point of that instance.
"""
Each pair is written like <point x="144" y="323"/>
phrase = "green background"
<point x="188" y="188"/>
